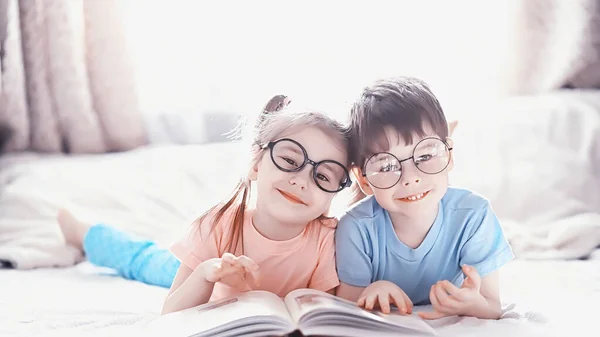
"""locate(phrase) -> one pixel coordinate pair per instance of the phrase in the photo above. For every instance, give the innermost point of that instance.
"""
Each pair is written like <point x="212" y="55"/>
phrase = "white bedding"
<point x="542" y="298"/>
<point x="548" y="210"/>
<point x="154" y="192"/>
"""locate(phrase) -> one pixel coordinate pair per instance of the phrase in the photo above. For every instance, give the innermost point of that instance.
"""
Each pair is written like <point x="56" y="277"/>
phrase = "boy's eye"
<point x="389" y="168"/>
<point x="423" y="158"/>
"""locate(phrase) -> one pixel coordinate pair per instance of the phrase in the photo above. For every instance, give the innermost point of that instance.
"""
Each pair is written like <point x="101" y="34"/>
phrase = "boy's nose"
<point x="415" y="181"/>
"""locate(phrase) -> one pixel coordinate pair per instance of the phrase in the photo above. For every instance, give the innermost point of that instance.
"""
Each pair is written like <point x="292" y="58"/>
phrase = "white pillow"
<point x="537" y="158"/>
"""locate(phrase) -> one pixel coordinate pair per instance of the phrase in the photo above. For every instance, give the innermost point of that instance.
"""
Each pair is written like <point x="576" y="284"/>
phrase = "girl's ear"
<point x="253" y="172"/>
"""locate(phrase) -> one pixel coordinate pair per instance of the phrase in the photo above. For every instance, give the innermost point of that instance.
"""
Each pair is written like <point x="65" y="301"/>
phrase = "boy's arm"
<point x="352" y="258"/>
<point x="349" y="292"/>
<point x="476" y="297"/>
<point x="486" y="251"/>
<point x="490" y="290"/>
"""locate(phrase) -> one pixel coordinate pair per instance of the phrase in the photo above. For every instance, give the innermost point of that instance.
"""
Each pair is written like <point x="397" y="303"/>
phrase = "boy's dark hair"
<point x="405" y="104"/>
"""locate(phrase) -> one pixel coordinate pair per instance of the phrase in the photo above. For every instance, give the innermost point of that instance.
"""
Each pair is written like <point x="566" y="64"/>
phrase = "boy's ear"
<point x="362" y="181"/>
<point x="451" y="126"/>
<point x="450" y="143"/>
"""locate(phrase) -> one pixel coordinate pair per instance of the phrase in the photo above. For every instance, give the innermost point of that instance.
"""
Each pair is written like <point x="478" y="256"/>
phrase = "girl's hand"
<point x="237" y="272"/>
<point x="383" y="293"/>
<point x="448" y="300"/>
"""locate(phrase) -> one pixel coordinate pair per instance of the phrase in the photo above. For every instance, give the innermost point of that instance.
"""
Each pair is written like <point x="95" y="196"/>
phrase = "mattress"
<point x="156" y="191"/>
<point x="541" y="298"/>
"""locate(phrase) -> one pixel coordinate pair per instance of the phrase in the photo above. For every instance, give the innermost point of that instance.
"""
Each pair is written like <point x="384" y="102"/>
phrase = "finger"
<point x="228" y="257"/>
<point x="431" y="315"/>
<point x="220" y="272"/>
<point x="384" y="303"/>
<point x="232" y="266"/>
<point x="445" y="300"/>
<point x="253" y="278"/>
<point x="399" y="301"/>
<point x="361" y="301"/>
<point x="247" y="263"/>
<point x="237" y="281"/>
<point x="433" y="298"/>
<point x="251" y="267"/>
<point x="473" y="278"/>
<point x="408" y="302"/>
<point x="227" y="265"/>
<point x="227" y="261"/>
<point x="435" y="303"/>
<point x="370" y="302"/>
<point x="452" y="290"/>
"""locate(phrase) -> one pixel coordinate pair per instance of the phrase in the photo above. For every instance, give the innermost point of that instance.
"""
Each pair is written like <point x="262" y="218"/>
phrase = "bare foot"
<point x="73" y="229"/>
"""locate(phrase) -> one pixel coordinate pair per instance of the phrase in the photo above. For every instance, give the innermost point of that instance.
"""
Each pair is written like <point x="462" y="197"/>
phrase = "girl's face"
<point x="294" y="194"/>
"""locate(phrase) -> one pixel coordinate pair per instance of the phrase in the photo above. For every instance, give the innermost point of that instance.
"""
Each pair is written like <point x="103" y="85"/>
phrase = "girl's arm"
<point x="193" y="288"/>
<point x="189" y="289"/>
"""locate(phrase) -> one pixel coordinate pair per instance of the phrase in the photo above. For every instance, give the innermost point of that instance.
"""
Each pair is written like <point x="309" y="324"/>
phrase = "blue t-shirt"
<point x="465" y="231"/>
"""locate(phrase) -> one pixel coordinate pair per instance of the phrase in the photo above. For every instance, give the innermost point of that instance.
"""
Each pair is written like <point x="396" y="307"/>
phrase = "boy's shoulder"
<point x="362" y="212"/>
<point x="457" y="198"/>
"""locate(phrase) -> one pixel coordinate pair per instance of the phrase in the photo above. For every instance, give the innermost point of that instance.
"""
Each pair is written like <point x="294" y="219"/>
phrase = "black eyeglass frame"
<point x="364" y="174"/>
<point x="271" y="145"/>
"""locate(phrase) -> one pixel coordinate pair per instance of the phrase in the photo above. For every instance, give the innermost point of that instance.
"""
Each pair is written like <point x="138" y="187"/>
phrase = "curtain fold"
<point x="67" y="80"/>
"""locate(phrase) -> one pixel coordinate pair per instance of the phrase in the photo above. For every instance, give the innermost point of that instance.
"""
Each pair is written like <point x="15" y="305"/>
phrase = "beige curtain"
<point x="67" y="80"/>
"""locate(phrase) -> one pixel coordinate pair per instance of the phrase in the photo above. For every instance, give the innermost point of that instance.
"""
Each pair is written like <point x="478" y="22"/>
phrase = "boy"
<point x="414" y="239"/>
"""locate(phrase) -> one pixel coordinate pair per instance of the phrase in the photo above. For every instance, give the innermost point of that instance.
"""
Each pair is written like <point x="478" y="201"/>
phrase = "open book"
<point x="310" y="312"/>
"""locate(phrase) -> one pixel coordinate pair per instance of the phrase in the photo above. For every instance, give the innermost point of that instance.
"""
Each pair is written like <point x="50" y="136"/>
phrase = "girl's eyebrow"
<point x="329" y="166"/>
<point x="293" y="149"/>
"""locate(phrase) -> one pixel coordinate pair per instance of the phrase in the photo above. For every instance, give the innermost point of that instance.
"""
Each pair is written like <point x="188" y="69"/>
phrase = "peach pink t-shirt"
<point x="306" y="261"/>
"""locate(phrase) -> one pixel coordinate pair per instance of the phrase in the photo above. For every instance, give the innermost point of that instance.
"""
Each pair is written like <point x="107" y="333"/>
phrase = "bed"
<point x="544" y="184"/>
<point x="541" y="298"/>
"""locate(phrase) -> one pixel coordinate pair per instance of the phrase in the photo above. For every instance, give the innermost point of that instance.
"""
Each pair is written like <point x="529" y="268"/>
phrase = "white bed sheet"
<point x="542" y="298"/>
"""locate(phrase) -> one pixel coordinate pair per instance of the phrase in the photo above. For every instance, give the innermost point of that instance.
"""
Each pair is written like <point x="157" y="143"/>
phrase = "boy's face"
<point x="408" y="179"/>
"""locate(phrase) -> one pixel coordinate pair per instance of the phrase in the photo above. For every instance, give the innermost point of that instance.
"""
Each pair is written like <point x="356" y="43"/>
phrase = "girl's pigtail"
<point x="240" y="198"/>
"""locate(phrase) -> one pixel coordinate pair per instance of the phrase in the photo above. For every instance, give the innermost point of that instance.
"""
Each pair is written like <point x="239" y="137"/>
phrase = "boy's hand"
<point x="448" y="300"/>
<point x="237" y="272"/>
<point x="384" y="293"/>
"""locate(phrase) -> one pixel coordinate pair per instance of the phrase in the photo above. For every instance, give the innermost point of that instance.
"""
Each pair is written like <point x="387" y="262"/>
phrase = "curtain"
<point x="67" y="78"/>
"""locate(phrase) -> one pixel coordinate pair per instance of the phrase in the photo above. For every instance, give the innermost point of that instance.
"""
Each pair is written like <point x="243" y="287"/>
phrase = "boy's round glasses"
<point x="431" y="156"/>
<point x="289" y="156"/>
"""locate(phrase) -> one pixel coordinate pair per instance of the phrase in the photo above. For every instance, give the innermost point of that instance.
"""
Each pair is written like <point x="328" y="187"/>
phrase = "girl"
<point x="280" y="242"/>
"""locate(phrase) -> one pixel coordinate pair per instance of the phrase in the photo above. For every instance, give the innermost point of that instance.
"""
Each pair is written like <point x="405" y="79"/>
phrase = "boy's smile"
<point x="414" y="197"/>
<point x="415" y="194"/>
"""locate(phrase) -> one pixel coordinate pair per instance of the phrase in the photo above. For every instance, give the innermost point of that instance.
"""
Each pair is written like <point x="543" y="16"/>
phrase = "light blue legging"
<point x="133" y="258"/>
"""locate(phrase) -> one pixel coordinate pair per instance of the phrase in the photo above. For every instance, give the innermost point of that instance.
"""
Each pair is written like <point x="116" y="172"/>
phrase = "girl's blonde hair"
<point x="276" y="117"/>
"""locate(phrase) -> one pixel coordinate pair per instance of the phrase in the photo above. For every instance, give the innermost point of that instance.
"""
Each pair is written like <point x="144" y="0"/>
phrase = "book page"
<point x="247" y="310"/>
<point x="311" y="308"/>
